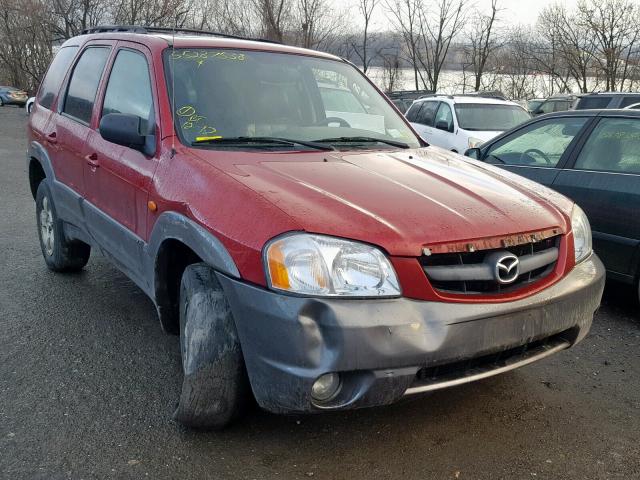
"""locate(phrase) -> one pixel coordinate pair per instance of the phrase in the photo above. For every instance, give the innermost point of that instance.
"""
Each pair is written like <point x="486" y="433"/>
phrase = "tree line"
<point x="594" y="46"/>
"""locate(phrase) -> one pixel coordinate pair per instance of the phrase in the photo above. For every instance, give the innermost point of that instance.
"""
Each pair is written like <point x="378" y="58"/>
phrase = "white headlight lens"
<point x="581" y="234"/>
<point x="326" y="266"/>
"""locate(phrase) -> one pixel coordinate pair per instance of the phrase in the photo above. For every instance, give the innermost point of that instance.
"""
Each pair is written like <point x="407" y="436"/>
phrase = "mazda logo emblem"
<point x="507" y="268"/>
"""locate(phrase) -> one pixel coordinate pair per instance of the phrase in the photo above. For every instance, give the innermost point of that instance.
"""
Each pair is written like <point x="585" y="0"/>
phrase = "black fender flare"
<point x="175" y="226"/>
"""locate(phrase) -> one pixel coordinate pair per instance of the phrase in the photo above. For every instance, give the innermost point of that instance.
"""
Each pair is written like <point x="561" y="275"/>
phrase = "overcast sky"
<point x="513" y="11"/>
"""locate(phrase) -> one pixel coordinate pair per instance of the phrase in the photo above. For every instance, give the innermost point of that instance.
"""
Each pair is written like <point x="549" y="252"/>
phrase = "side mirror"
<point x="442" y="125"/>
<point x="474" y="153"/>
<point x="123" y="129"/>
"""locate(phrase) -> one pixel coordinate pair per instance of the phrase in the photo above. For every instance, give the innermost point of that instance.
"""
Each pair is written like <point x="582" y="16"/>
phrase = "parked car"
<point x="12" y="96"/>
<point x="459" y="122"/>
<point x="29" y="105"/>
<point x="403" y="99"/>
<point x="534" y="103"/>
<point x="316" y="266"/>
<point x="592" y="157"/>
<point x="610" y="100"/>
<point x="557" y="103"/>
<point x="635" y="106"/>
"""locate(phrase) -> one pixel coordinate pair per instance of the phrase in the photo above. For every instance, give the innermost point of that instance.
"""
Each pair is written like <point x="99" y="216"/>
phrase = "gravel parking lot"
<point x="88" y="384"/>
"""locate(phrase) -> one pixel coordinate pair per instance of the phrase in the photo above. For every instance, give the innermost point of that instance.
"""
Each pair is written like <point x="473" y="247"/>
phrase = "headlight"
<point x="581" y="233"/>
<point x="325" y="266"/>
<point x="475" y="142"/>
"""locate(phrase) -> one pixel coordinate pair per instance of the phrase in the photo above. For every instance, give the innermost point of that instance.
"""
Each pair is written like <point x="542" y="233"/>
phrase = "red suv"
<point x="292" y="228"/>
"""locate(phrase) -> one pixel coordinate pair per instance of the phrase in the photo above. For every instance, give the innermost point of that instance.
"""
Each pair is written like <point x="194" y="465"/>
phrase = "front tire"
<point x="215" y="386"/>
<point x="60" y="254"/>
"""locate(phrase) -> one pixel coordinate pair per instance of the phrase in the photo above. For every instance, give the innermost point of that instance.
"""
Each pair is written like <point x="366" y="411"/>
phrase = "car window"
<point x="444" y="115"/>
<point x="412" y="114"/>
<point x="129" y="88"/>
<point x="560" y="106"/>
<point x="490" y="116"/>
<point x="614" y="146"/>
<point x="337" y="100"/>
<point x="540" y="144"/>
<point x="55" y="75"/>
<point x="427" y="113"/>
<point x="547" y="107"/>
<point x="83" y="85"/>
<point x="594" y="102"/>
<point x="626" y="101"/>
<point x="533" y="105"/>
<point x="235" y="94"/>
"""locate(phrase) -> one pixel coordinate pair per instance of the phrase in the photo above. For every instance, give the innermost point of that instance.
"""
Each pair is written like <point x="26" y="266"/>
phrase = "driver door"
<point x="539" y="150"/>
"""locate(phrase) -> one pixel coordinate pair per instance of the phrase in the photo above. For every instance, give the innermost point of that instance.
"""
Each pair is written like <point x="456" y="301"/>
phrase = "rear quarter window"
<point x="55" y="75"/>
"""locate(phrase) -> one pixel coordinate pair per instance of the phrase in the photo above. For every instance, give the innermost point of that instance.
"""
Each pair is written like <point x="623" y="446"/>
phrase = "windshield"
<point x="490" y="117"/>
<point x="235" y="94"/>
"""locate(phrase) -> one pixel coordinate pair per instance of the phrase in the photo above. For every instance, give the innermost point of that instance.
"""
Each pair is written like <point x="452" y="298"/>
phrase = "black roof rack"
<point x="493" y="95"/>
<point x="147" y="30"/>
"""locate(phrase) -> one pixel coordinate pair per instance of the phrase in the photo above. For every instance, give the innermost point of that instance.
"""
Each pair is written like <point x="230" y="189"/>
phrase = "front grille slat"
<point x="472" y="272"/>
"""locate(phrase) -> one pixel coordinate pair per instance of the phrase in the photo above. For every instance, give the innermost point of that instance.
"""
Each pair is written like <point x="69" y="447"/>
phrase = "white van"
<point x="460" y="122"/>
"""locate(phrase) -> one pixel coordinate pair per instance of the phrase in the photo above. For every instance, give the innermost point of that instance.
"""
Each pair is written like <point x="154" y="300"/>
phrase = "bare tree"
<point x="482" y="43"/>
<point x="404" y="15"/>
<point x="316" y="23"/>
<point x="391" y="70"/>
<point x="361" y="48"/>
<point x="614" y="24"/>
<point x="575" y="42"/>
<point x="274" y="16"/>
<point x="436" y="34"/>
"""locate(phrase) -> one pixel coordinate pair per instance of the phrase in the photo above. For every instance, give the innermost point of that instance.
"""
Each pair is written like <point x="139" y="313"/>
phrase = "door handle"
<point x="92" y="160"/>
<point x="52" y="138"/>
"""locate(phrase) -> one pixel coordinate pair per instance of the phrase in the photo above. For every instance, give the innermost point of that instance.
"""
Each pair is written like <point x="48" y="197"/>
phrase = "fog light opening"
<point x="326" y="387"/>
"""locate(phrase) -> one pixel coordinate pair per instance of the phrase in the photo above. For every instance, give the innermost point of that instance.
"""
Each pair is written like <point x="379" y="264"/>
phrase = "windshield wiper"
<point x="393" y="143"/>
<point x="260" y="140"/>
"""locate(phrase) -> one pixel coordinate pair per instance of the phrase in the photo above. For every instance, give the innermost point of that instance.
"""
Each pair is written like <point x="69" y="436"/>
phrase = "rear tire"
<point x="215" y="388"/>
<point x="60" y="254"/>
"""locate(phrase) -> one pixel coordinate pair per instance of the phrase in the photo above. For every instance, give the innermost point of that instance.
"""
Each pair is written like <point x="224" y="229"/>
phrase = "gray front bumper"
<point x="378" y="346"/>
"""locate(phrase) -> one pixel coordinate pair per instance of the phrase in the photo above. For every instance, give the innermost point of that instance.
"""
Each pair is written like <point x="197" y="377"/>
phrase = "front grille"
<point x="473" y="272"/>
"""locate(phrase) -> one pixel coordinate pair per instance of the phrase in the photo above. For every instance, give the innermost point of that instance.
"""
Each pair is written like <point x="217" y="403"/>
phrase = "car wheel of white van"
<point x="60" y="254"/>
<point x="215" y="387"/>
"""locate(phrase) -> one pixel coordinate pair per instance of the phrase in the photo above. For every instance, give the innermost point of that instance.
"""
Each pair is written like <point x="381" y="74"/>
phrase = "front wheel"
<point x="215" y="388"/>
<point x="60" y="254"/>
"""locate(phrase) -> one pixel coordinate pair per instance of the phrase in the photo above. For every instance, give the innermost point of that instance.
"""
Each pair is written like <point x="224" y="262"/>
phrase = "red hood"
<point x="402" y="201"/>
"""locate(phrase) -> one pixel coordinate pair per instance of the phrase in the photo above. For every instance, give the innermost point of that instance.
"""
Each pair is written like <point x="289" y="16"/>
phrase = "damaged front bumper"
<point x="384" y="349"/>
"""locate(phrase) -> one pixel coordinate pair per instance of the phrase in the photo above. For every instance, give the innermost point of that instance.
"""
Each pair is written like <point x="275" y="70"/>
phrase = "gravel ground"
<point x="88" y="383"/>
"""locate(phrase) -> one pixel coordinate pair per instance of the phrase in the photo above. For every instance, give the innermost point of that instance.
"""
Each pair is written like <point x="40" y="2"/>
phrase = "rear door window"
<point x="55" y="75"/>
<point x="84" y="82"/>
<point x="427" y="114"/>
<point x="412" y="114"/>
<point x="613" y="146"/>
<point x="129" y="88"/>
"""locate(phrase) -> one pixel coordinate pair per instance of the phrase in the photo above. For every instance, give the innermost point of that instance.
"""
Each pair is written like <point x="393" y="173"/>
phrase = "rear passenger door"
<point x="604" y="180"/>
<point x="424" y="121"/>
<point x="70" y="127"/>
<point x="538" y="150"/>
<point x="118" y="177"/>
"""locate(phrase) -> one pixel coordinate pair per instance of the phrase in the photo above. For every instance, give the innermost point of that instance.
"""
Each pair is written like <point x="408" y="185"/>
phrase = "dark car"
<point x="558" y="103"/>
<point x="609" y="100"/>
<point x="592" y="156"/>
<point x="12" y="96"/>
<point x="403" y="99"/>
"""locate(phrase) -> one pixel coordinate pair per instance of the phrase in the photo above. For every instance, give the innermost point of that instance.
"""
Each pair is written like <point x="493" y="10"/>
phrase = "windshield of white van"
<point x="490" y="117"/>
<point x="231" y="98"/>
